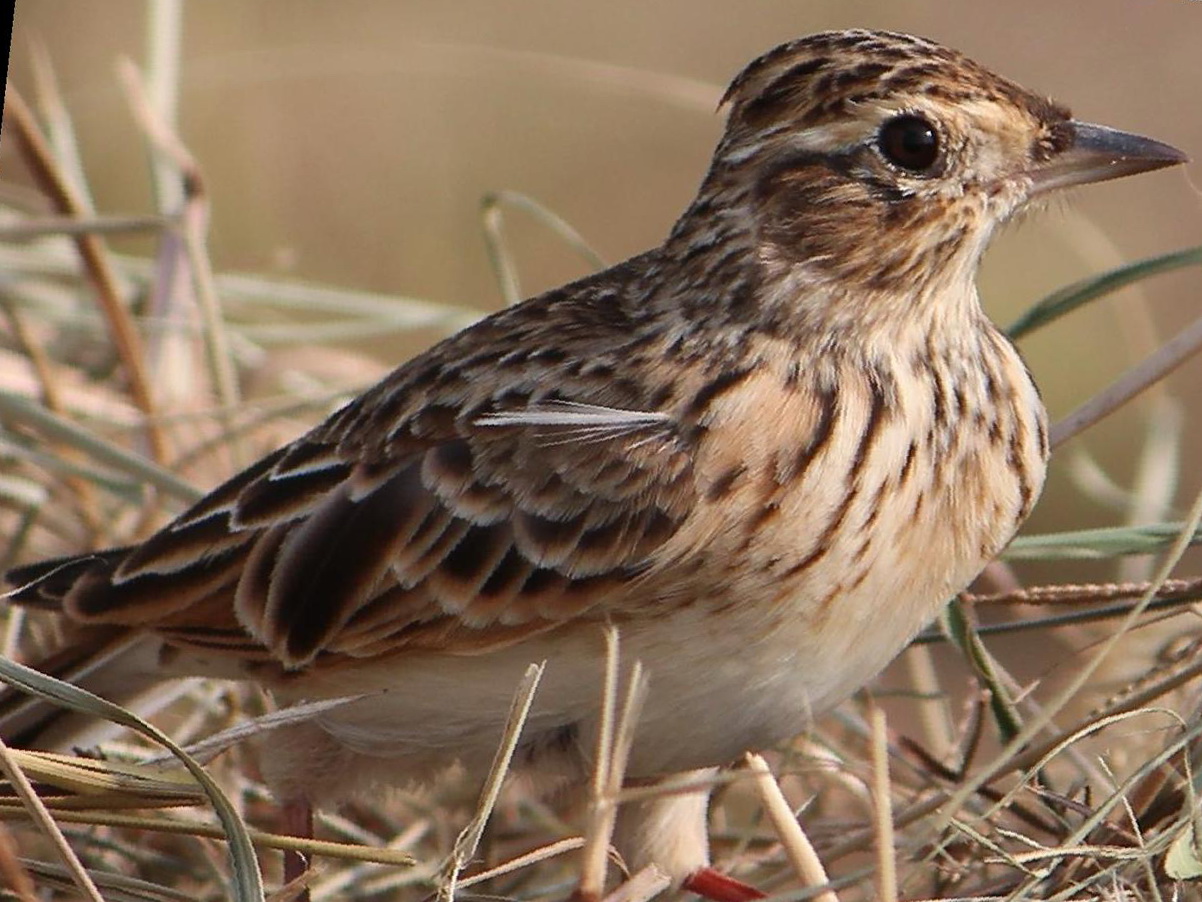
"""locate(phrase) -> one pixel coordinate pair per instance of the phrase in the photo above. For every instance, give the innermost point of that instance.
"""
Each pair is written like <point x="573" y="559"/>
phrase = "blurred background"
<point x="351" y="143"/>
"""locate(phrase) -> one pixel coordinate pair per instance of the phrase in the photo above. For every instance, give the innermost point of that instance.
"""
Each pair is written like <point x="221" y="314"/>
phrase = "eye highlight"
<point x="909" y="142"/>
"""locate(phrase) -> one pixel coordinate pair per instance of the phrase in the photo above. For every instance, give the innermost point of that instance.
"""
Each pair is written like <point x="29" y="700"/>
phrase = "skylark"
<point x="766" y="451"/>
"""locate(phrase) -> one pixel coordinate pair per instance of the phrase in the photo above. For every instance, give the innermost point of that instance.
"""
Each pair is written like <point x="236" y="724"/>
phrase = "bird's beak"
<point x="1098" y="154"/>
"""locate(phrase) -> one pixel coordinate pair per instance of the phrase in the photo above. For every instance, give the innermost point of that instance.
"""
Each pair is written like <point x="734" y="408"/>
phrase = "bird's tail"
<point x="115" y="662"/>
<point x="46" y="583"/>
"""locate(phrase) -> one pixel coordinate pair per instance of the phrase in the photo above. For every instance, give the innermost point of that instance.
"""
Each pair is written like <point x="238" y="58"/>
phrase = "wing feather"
<point x="459" y="506"/>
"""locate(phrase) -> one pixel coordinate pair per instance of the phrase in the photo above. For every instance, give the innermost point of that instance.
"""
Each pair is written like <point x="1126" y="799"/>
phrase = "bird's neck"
<point x="726" y="272"/>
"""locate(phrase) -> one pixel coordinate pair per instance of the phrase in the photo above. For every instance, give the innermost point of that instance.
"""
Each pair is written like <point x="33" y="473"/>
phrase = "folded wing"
<point x="457" y="533"/>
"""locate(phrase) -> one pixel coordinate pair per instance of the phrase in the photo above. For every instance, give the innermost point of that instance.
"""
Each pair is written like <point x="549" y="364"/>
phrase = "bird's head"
<point x="884" y="162"/>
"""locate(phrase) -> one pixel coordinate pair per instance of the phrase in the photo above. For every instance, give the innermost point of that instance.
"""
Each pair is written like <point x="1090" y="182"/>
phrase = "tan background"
<point x="350" y="143"/>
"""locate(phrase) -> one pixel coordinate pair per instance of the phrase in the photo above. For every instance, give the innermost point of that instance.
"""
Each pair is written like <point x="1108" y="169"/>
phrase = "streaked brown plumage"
<point x="767" y="450"/>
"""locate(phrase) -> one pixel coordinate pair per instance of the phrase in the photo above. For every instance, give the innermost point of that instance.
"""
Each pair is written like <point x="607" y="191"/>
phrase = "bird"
<point x="765" y="452"/>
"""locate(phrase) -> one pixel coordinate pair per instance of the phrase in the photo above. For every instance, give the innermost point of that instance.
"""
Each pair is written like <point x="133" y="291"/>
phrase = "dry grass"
<point x="128" y="384"/>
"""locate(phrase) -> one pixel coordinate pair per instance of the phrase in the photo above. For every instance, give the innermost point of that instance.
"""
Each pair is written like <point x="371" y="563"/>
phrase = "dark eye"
<point x="909" y="142"/>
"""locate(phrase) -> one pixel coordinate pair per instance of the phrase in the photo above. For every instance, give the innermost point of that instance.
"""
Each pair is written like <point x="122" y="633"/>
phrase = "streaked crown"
<point x="874" y="162"/>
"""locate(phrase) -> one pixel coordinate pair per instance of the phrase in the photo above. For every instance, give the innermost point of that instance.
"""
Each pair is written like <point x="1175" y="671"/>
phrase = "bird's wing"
<point x="442" y="529"/>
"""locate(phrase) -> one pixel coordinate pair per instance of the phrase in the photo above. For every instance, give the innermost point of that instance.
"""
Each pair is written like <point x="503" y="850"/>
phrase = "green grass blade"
<point x="248" y="882"/>
<point x="1069" y="298"/>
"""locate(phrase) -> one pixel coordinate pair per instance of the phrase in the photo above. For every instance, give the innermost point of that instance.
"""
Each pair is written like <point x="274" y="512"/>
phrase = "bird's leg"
<point x="669" y="831"/>
<point x="296" y="820"/>
<point x="718" y="887"/>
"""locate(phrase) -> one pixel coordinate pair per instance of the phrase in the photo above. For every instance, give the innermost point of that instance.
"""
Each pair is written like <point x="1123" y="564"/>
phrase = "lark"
<point x="766" y="451"/>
